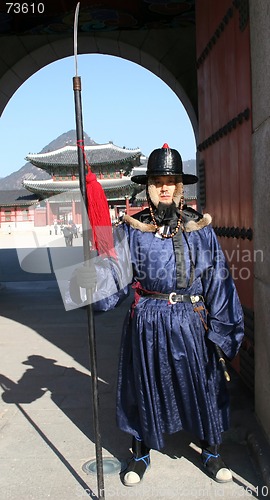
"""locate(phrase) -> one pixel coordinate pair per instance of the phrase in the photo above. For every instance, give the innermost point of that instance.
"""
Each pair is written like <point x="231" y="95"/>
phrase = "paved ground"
<point x="46" y="425"/>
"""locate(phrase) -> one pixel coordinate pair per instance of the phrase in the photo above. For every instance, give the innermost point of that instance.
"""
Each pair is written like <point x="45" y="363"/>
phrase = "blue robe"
<point x="168" y="374"/>
<point x="169" y="377"/>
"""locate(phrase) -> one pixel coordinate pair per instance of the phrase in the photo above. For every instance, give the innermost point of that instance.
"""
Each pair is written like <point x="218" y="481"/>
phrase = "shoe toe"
<point x="224" y="475"/>
<point x="131" y="478"/>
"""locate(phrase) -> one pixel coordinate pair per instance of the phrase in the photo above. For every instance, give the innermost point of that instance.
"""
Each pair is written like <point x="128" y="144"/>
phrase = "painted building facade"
<point x="17" y="209"/>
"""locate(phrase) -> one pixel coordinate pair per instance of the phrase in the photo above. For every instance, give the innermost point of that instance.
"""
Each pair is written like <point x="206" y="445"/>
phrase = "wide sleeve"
<point x="114" y="276"/>
<point x="225" y="314"/>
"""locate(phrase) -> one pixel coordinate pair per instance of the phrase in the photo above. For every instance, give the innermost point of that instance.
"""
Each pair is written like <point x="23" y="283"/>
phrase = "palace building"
<point x="58" y="199"/>
<point x="17" y="209"/>
<point x="60" y="196"/>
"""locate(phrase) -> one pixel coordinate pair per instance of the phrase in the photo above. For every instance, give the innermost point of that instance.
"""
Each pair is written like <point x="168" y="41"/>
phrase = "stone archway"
<point x="138" y="47"/>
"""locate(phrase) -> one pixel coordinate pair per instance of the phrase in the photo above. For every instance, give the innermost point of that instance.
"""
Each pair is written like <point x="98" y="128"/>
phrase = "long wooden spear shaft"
<point x="87" y="256"/>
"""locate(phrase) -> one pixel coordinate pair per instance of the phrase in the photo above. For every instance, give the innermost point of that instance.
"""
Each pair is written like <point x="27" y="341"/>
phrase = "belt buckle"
<point x="194" y="299"/>
<point x="171" y="300"/>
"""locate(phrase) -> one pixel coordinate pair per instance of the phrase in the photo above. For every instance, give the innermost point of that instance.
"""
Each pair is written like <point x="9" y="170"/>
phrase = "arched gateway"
<point x="214" y="56"/>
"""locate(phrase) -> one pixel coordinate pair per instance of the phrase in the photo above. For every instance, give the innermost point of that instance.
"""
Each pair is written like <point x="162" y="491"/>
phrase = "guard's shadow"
<point x="70" y="390"/>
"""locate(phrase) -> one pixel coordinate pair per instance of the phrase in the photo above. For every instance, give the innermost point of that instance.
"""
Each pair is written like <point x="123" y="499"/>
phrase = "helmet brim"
<point x="142" y="179"/>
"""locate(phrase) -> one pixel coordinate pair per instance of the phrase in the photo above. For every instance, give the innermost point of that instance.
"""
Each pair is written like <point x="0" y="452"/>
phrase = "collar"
<point x="193" y="221"/>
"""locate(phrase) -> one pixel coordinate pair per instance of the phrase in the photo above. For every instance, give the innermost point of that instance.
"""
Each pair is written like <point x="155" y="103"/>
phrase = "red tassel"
<point x="99" y="216"/>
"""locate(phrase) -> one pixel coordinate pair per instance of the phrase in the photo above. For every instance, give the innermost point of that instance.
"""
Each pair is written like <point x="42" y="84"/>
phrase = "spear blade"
<point x="75" y="35"/>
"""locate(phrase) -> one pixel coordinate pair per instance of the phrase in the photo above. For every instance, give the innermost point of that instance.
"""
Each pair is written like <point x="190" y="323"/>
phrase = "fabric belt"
<point x="172" y="297"/>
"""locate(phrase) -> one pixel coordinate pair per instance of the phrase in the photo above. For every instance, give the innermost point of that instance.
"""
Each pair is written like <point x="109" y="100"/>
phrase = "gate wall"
<point x="225" y="137"/>
<point x="260" y="64"/>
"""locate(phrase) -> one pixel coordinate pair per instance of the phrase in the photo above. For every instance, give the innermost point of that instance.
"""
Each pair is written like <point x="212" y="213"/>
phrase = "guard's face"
<point x="165" y="186"/>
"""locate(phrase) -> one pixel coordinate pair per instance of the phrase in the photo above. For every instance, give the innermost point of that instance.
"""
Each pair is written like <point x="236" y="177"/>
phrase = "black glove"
<point x="86" y="276"/>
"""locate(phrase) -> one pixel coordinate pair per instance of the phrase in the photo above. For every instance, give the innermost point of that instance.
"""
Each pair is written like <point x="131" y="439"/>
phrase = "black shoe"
<point x="215" y="467"/>
<point x="136" y="470"/>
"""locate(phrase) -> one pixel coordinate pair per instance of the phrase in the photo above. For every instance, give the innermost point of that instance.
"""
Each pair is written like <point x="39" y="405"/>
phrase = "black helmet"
<point x="164" y="161"/>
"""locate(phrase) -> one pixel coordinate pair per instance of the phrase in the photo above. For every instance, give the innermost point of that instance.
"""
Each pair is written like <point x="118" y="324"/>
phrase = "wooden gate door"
<point x="224" y="149"/>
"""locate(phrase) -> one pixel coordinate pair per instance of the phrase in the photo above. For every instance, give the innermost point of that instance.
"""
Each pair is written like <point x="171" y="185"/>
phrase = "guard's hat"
<point x="164" y="161"/>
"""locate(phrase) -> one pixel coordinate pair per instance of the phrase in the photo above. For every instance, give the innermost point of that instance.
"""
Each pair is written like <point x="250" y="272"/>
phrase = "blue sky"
<point x="122" y="102"/>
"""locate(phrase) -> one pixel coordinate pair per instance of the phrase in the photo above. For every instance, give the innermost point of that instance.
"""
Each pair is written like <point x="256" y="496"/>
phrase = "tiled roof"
<point x="66" y="185"/>
<point x="17" y="197"/>
<point x="110" y="186"/>
<point x="140" y="170"/>
<point x="50" y="186"/>
<point x="100" y="154"/>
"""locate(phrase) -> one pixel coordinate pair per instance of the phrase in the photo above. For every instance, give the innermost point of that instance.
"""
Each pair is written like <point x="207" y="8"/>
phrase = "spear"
<point x="87" y="256"/>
